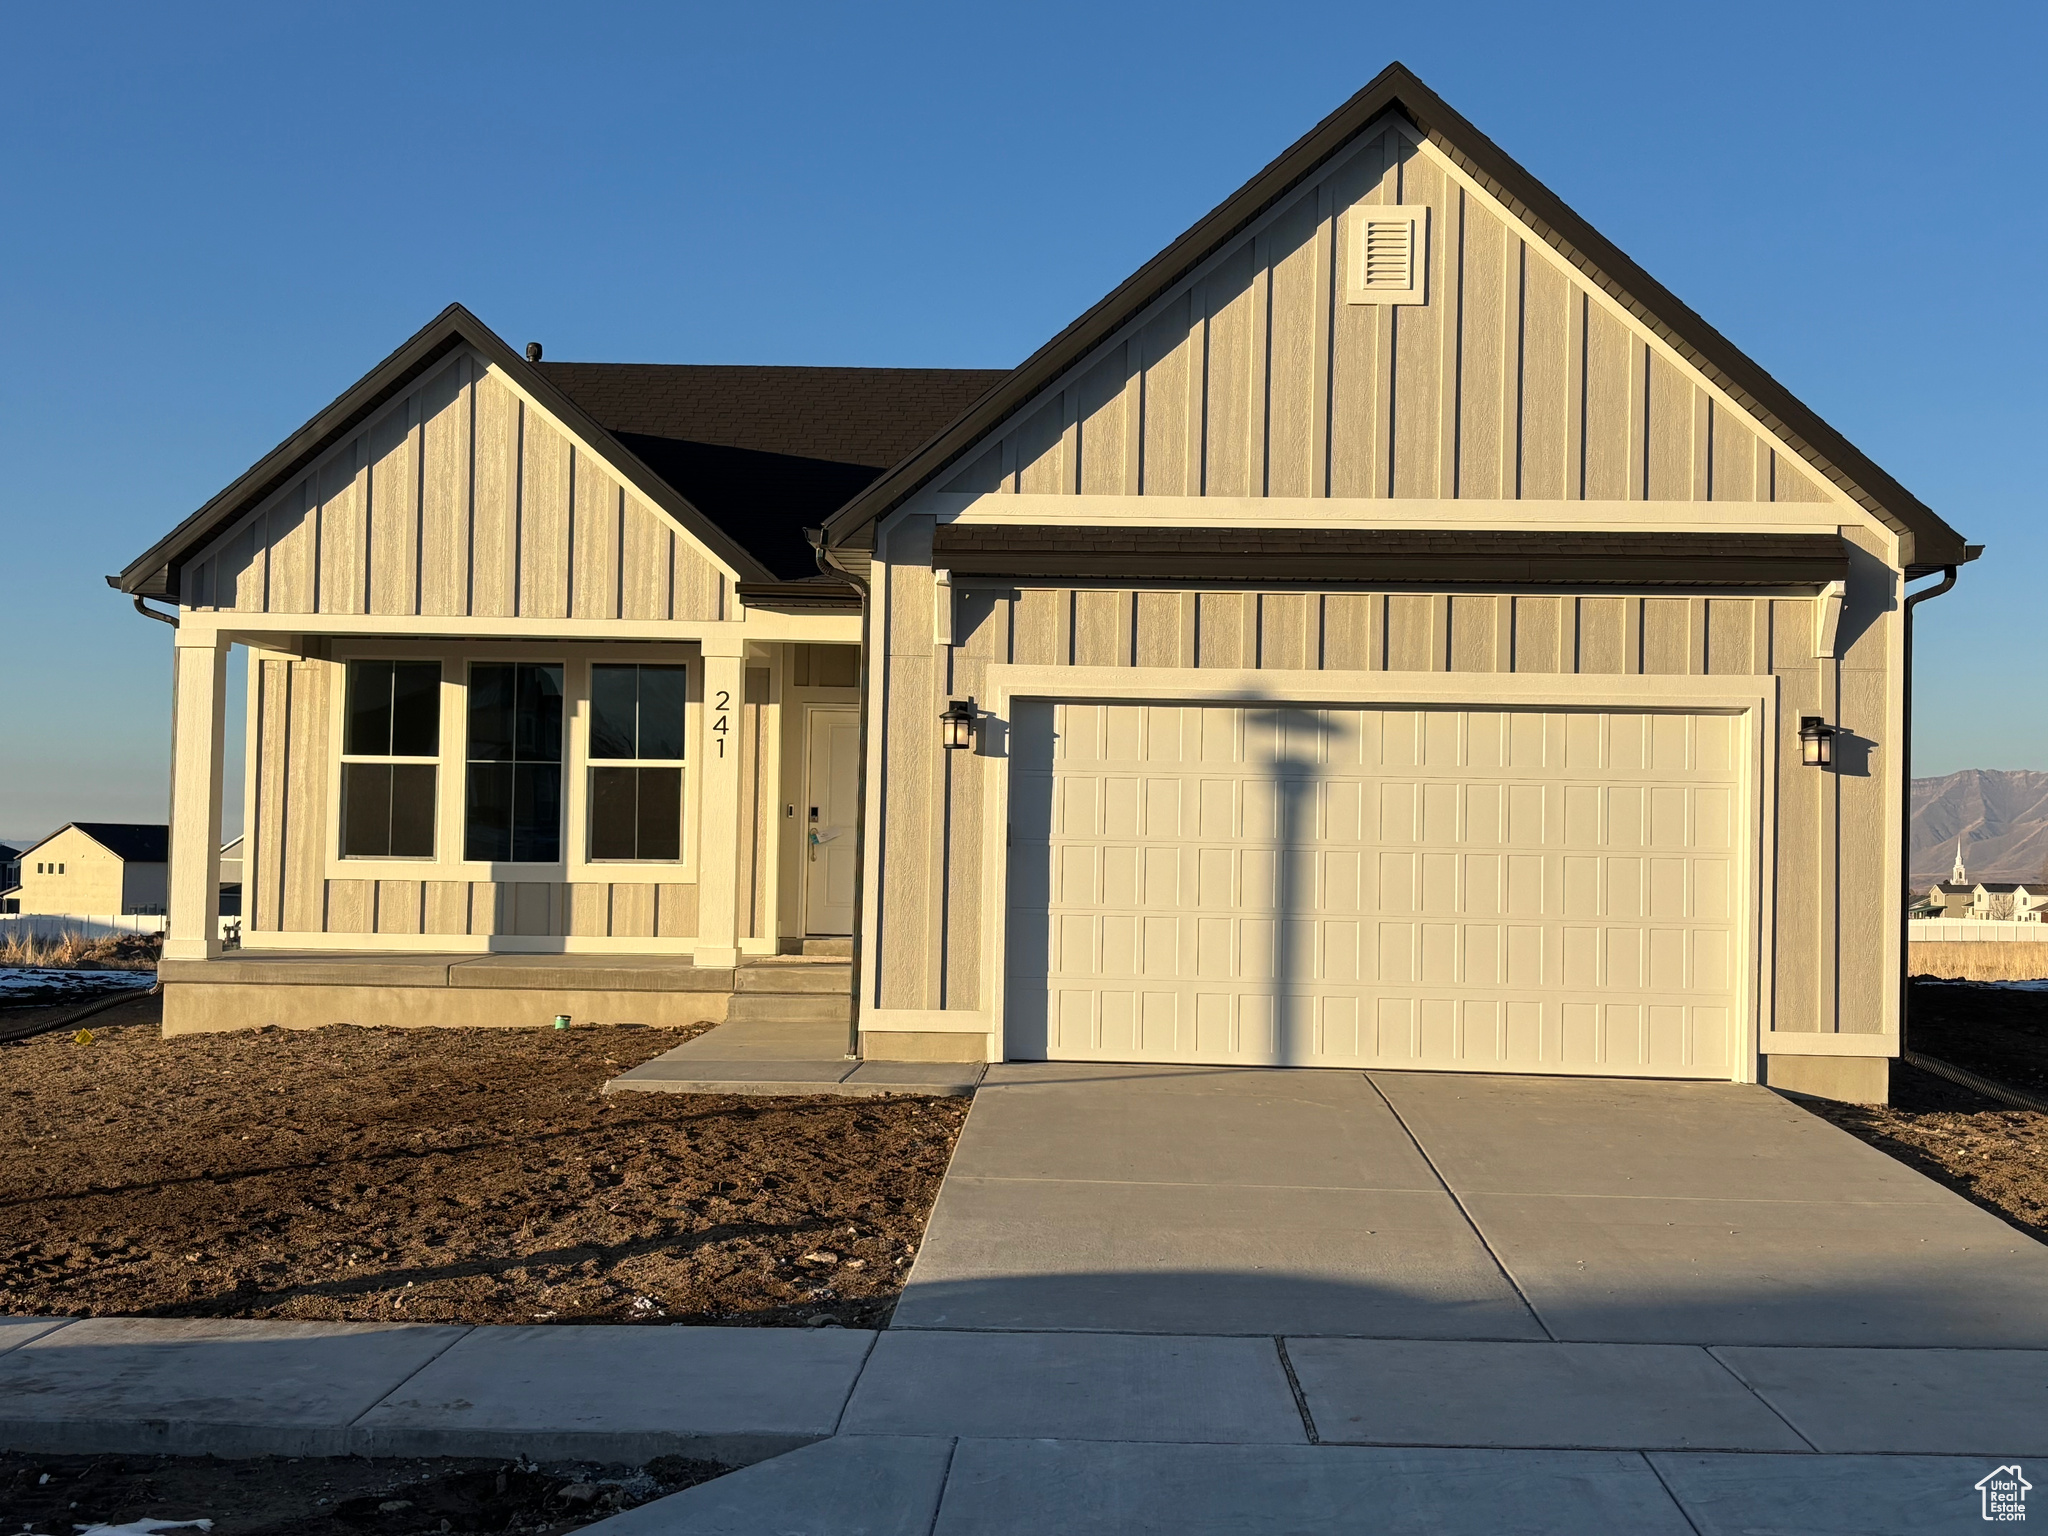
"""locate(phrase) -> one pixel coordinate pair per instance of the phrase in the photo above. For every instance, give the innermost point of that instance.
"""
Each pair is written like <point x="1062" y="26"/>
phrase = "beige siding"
<point x="1826" y="967"/>
<point x="459" y="499"/>
<point x="1258" y="378"/>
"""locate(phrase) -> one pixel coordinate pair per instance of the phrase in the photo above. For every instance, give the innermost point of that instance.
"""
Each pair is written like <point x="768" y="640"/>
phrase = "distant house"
<point x="10" y="877"/>
<point x="2008" y="902"/>
<point x="97" y="867"/>
<point x="1984" y="901"/>
<point x="231" y="879"/>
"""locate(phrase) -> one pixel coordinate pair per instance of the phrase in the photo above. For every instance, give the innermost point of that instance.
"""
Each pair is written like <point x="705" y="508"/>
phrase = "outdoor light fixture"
<point x="957" y="724"/>
<point x="1816" y="742"/>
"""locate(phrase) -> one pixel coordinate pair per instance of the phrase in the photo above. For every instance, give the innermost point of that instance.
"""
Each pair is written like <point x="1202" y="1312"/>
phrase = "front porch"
<point x="308" y="989"/>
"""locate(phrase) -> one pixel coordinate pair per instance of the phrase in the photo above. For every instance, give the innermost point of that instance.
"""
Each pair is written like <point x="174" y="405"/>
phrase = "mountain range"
<point x="2000" y="814"/>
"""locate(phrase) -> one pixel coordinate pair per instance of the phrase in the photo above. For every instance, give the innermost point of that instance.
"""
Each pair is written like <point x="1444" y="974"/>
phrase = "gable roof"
<point x="766" y="452"/>
<point x="136" y="842"/>
<point x="766" y="449"/>
<point x="1395" y="90"/>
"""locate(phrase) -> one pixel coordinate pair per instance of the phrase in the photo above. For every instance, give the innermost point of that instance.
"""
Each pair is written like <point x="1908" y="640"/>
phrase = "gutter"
<point x="1913" y="600"/>
<point x="828" y="566"/>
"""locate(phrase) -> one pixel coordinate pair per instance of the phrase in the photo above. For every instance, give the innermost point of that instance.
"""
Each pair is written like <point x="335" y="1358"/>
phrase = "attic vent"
<point x="1389" y="255"/>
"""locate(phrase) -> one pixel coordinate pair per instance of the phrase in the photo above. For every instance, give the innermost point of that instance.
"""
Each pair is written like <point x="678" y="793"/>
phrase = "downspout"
<point x="1913" y="600"/>
<point x="150" y="613"/>
<point x="830" y="567"/>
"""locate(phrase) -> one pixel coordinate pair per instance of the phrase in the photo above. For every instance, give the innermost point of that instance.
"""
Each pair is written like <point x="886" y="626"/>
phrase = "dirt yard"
<point x="472" y="1176"/>
<point x="275" y="1496"/>
<point x="1990" y="1154"/>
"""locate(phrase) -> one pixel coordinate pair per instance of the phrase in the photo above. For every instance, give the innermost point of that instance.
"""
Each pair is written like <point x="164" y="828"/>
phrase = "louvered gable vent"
<point x="1388" y="255"/>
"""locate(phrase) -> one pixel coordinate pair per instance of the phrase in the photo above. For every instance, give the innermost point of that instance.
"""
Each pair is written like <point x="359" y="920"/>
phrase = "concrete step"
<point x="793" y="1007"/>
<point x="829" y="947"/>
<point x="794" y="976"/>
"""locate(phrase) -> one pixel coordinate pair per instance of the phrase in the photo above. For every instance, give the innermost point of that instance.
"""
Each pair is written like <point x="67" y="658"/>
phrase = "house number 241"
<point x="722" y="721"/>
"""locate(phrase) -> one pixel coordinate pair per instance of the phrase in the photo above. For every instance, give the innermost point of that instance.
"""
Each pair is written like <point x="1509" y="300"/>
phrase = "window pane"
<point x="538" y="736"/>
<point x="487" y="826"/>
<point x="365" y="809"/>
<point x="536" y="813"/>
<point x="611" y="711"/>
<point x="661" y="811"/>
<point x="416" y="709"/>
<point x="611" y="813"/>
<point x="412" y="810"/>
<point x="661" y="711"/>
<point x="368" y="729"/>
<point x="490" y="712"/>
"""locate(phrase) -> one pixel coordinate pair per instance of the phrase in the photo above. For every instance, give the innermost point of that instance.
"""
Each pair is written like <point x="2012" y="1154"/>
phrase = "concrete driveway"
<point x="1194" y="1200"/>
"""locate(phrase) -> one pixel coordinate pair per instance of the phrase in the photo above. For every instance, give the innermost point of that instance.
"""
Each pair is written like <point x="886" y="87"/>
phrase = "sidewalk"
<point x="626" y="1393"/>
<point x="782" y="1057"/>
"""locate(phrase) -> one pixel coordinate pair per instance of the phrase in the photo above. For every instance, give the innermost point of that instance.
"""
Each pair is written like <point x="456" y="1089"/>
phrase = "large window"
<point x="390" y="748"/>
<point x="636" y="762"/>
<point x="514" y="790"/>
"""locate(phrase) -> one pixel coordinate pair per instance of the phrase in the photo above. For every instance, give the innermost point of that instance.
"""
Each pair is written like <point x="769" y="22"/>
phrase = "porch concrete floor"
<point x="777" y="1057"/>
<point x="1194" y="1200"/>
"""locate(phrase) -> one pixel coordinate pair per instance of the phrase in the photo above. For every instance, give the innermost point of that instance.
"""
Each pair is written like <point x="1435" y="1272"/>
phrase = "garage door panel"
<point x="1483" y="890"/>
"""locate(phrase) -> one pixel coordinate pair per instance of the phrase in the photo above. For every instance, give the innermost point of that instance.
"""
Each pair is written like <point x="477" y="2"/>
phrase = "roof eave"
<point x="1396" y="90"/>
<point x="154" y="573"/>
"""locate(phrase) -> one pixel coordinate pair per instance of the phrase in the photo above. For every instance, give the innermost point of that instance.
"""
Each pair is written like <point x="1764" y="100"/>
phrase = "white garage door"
<point x="1485" y="890"/>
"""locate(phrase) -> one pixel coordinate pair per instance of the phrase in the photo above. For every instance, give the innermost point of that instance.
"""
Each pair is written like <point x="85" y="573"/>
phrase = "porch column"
<point x="199" y="675"/>
<point x="718" y="803"/>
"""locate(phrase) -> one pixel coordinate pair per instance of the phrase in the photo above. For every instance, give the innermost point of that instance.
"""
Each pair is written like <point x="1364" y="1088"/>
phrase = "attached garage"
<point x="1457" y="888"/>
<point x="1390" y="630"/>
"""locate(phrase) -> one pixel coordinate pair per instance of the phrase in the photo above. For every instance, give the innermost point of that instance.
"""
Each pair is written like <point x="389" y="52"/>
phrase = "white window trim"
<point x="573" y="867"/>
<point x="343" y="757"/>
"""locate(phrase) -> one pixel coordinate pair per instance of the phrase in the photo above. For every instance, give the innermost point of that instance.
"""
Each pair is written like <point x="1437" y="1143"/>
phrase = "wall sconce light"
<point x="957" y="724"/>
<point x="1816" y="742"/>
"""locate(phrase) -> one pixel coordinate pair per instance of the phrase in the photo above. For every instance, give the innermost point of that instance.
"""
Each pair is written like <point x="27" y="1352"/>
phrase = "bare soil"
<point x="354" y="1496"/>
<point x="1992" y="1155"/>
<point x="2000" y="1032"/>
<point x="464" y="1176"/>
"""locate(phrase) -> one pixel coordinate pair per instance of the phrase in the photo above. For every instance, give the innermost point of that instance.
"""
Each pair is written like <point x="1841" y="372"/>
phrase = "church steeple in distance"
<point x="1956" y="875"/>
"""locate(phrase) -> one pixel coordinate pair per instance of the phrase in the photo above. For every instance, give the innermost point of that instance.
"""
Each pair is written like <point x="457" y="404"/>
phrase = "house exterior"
<point x="1390" y="630"/>
<point x="97" y="867"/>
<point x="10" y="877"/>
<point x="541" y="665"/>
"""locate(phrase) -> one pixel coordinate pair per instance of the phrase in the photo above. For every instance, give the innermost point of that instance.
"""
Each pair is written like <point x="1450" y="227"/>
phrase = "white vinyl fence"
<point x="1949" y="930"/>
<point x="98" y="925"/>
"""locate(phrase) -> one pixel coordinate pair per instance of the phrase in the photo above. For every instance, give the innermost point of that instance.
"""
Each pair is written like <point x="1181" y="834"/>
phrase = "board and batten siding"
<point x="1830" y="829"/>
<point x="1256" y="377"/>
<point x="289" y="839"/>
<point x="459" y="499"/>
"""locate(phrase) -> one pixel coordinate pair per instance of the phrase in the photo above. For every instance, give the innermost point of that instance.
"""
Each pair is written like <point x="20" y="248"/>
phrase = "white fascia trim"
<point x="1372" y="512"/>
<point x="200" y="626"/>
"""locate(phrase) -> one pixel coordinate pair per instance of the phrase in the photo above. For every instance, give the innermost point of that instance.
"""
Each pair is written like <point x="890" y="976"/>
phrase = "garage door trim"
<point x="1753" y="700"/>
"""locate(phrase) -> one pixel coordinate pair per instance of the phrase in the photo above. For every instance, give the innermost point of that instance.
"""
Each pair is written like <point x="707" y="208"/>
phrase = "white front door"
<point x="1478" y="889"/>
<point x="831" y="802"/>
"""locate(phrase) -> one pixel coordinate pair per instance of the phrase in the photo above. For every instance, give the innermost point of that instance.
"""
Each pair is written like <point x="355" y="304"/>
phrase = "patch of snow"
<point x="2010" y="986"/>
<point x="23" y="983"/>
<point x="143" y="1527"/>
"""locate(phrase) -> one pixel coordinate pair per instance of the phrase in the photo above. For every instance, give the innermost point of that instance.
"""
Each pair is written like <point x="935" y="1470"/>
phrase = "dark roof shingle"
<point x="766" y="452"/>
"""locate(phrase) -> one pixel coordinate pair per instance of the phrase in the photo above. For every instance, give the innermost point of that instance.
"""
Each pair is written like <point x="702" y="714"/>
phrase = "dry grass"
<point x="74" y="951"/>
<point x="1979" y="960"/>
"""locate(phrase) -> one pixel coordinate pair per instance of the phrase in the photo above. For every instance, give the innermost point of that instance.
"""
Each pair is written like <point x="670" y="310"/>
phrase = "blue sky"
<point x="218" y="217"/>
